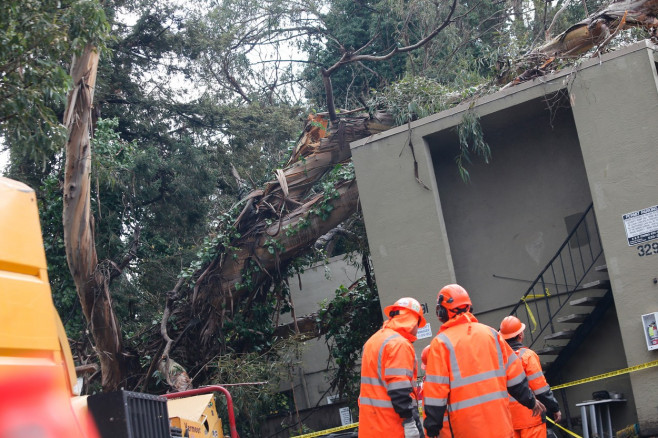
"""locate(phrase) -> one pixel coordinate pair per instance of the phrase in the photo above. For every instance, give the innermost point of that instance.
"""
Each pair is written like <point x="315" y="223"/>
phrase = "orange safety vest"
<point x="521" y="416"/>
<point x="469" y="368"/>
<point x="388" y="364"/>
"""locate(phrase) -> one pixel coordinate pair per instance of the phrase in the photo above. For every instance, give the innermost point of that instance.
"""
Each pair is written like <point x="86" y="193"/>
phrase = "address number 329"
<point x="647" y="249"/>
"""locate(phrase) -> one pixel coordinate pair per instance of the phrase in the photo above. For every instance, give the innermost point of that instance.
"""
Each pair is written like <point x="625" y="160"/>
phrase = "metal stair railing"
<point x="561" y="278"/>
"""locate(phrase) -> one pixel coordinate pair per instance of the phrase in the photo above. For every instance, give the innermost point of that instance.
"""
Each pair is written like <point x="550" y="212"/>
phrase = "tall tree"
<point x="91" y="280"/>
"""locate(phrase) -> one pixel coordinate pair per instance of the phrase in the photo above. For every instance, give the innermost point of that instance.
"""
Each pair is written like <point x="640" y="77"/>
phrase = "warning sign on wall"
<point x="642" y="225"/>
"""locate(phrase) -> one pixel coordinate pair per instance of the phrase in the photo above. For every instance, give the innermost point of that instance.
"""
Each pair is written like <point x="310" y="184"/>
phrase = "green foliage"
<point x="350" y="319"/>
<point x="471" y="141"/>
<point x="251" y="328"/>
<point x="113" y="157"/>
<point x="415" y="97"/>
<point x="37" y="40"/>
<point x="350" y="25"/>
<point x="253" y="403"/>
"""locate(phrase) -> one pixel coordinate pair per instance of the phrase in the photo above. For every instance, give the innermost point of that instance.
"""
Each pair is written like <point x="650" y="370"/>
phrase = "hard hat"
<point x="423" y="357"/>
<point x="511" y="326"/>
<point x="452" y="297"/>
<point x="410" y="304"/>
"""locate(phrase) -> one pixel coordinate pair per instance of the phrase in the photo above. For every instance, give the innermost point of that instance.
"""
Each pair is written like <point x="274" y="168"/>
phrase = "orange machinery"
<point x="37" y="373"/>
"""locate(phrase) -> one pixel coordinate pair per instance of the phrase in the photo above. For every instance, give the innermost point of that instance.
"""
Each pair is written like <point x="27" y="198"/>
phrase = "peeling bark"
<point x="91" y="279"/>
<point x="596" y="31"/>
<point x="284" y="203"/>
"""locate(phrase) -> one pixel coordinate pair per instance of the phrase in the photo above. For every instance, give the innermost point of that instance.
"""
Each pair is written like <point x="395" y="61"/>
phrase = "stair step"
<point x="585" y="301"/>
<point x="602" y="268"/>
<point x="564" y="334"/>
<point x="573" y="318"/>
<point x="550" y="350"/>
<point x="598" y="284"/>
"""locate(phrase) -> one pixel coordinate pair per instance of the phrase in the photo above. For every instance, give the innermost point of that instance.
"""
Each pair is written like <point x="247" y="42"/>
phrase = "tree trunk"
<point x="91" y="279"/>
<point x="597" y="30"/>
<point x="277" y="224"/>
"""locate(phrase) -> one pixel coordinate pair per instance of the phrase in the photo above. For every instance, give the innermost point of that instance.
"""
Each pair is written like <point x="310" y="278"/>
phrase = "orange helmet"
<point x="510" y="327"/>
<point x="423" y="357"/>
<point x="452" y="298"/>
<point x="409" y="304"/>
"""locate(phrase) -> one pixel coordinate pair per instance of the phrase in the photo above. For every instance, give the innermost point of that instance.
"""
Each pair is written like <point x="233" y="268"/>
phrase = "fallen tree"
<point x="274" y="226"/>
<point x="246" y="262"/>
<point x="279" y="222"/>
<point x="595" y="31"/>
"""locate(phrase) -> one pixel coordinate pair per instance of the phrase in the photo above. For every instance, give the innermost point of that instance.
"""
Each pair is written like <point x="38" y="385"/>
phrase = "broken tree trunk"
<point x="276" y="224"/>
<point x="283" y="203"/>
<point x="595" y="31"/>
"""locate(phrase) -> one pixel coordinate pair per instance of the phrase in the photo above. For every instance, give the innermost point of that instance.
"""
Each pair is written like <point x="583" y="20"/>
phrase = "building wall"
<point x="557" y="143"/>
<point x="615" y="109"/>
<point x="318" y="283"/>
<point x="505" y="224"/>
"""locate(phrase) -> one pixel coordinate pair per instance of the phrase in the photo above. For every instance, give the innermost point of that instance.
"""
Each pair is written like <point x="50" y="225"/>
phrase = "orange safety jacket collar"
<point x="403" y="324"/>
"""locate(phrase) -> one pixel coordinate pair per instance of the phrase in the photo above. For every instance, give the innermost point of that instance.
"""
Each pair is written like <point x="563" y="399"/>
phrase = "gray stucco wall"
<point x="546" y="165"/>
<point x="318" y="283"/>
<point x="508" y="221"/>
<point x="616" y="110"/>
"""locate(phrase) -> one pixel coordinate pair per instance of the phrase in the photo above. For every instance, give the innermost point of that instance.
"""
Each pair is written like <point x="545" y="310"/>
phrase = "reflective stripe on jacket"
<point x="521" y="417"/>
<point x="388" y="376"/>
<point x="470" y="371"/>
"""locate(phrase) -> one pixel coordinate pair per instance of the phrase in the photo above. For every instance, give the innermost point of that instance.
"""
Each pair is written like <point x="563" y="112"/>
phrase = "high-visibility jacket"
<point x="445" y="430"/>
<point x="470" y="372"/>
<point x="388" y="379"/>
<point x="521" y="417"/>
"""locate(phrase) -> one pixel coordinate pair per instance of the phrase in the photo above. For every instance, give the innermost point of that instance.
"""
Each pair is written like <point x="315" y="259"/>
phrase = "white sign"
<point x="345" y="416"/>
<point x="650" y="330"/>
<point x="641" y="226"/>
<point x="424" y="332"/>
<point x="331" y="399"/>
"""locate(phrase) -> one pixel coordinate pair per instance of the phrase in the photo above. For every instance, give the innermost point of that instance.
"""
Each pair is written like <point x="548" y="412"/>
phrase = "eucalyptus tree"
<point x="153" y="213"/>
<point x="34" y="36"/>
<point x="194" y="234"/>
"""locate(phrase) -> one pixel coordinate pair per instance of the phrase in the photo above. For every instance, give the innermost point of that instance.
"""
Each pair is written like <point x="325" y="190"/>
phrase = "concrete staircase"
<point x="568" y="298"/>
<point x="573" y="324"/>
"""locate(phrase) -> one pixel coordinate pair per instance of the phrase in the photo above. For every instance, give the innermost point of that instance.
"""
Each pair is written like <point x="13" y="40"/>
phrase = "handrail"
<point x="557" y="253"/>
<point x="567" y="269"/>
<point x="206" y="390"/>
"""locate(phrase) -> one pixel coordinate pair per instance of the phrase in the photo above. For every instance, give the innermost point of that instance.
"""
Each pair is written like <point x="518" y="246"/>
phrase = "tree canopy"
<point x="220" y="161"/>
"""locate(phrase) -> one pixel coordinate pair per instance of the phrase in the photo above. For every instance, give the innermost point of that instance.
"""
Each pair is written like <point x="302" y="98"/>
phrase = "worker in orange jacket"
<point x="525" y="425"/>
<point x="470" y="372"/>
<point x="387" y="403"/>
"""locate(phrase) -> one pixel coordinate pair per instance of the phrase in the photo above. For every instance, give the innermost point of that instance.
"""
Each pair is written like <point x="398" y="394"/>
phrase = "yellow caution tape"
<point x="527" y="308"/>
<point x="607" y="375"/>
<point x="530" y="315"/>
<point x="328" y="431"/>
<point x="565" y="429"/>
<point x="564" y="385"/>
